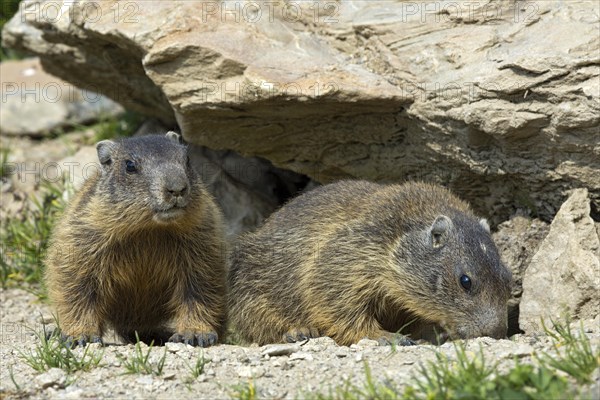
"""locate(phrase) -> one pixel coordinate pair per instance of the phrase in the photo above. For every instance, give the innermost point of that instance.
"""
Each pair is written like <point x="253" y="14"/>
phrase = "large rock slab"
<point x="497" y="99"/>
<point x="564" y="274"/>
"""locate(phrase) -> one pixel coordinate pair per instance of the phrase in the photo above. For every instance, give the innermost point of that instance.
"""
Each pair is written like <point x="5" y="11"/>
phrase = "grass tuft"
<point x="4" y="156"/>
<point x="197" y="369"/>
<point x="575" y="355"/>
<point x="50" y="352"/>
<point x="445" y="378"/>
<point x="525" y="381"/>
<point x="369" y="390"/>
<point x="140" y="362"/>
<point x="245" y="391"/>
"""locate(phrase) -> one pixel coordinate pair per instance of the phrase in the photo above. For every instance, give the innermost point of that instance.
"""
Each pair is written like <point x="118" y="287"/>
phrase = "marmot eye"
<point x="130" y="166"/>
<point x="465" y="282"/>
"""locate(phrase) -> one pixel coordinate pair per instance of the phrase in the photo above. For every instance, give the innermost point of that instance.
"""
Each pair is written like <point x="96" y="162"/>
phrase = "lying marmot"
<point x="356" y="259"/>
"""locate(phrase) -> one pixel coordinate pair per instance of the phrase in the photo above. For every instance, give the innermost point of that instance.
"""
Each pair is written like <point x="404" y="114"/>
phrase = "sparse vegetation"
<point x="104" y="127"/>
<point x="140" y="363"/>
<point x="467" y="376"/>
<point x="445" y="378"/>
<point x="474" y="378"/>
<point x="24" y="240"/>
<point x="370" y="389"/>
<point x="115" y="127"/>
<point x="197" y="369"/>
<point x="8" y="8"/>
<point x="4" y="153"/>
<point x="576" y="356"/>
<point x="245" y="391"/>
<point x="51" y="353"/>
<point x="11" y="375"/>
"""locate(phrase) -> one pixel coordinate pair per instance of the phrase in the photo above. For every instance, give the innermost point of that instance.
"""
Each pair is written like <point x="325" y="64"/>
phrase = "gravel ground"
<point x="315" y="367"/>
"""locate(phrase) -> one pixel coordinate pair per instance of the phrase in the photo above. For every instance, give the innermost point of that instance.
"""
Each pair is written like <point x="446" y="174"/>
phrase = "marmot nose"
<point x="176" y="188"/>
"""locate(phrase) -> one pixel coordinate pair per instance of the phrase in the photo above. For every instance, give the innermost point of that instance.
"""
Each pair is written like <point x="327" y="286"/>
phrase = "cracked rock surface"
<point x="499" y="100"/>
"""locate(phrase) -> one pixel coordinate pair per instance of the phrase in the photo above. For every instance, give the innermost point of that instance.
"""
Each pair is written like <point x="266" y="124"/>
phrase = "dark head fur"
<point x="456" y="276"/>
<point x="151" y="174"/>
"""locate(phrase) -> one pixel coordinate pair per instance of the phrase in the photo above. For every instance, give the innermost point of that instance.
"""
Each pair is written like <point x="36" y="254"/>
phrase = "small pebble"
<point x="145" y="380"/>
<point x="250" y="372"/>
<point x="521" y="350"/>
<point x="367" y="343"/>
<point x="301" y="355"/>
<point x="174" y="347"/>
<point x="323" y="340"/>
<point x="341" y="353"/>
<point x="72" y="393"/>
<point x="280" y="350"/>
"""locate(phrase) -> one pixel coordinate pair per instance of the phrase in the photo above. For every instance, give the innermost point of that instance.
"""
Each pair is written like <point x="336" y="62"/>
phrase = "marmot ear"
<point x="105" y="150"/>
<point x="174" y="136"/>
<point x="439" y="231"/>
<point x="484" y="224"/>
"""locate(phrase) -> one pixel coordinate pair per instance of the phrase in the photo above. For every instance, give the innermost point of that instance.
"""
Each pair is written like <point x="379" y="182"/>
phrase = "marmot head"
<point x="149" y="177"/>
<point x="457" y="277"/>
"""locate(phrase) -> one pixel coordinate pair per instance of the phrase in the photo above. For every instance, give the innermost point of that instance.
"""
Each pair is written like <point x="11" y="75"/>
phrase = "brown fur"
<point x="111" y="263"/>
<point x="356" y="259"/>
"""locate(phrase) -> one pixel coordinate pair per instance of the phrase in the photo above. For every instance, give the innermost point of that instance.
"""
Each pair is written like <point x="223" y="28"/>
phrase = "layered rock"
<point x="563" y="278"/>
<point x="497" y="99"/>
